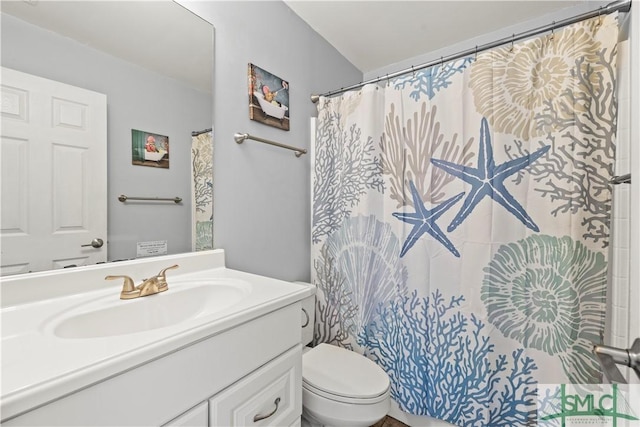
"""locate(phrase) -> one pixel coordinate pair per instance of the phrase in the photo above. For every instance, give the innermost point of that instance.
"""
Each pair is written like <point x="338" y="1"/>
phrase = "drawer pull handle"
<point x="264" y="417"/>
<point x="306" y="322"/>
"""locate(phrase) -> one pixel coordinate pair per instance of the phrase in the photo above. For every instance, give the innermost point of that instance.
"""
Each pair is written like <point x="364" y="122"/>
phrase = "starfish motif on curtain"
<point x="423" y="221"/>
<point x="488" y="179"/>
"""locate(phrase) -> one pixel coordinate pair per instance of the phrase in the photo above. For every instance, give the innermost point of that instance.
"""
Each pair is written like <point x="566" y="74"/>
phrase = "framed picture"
<point x="149" y="149"/>
<point x="268" y="98"/>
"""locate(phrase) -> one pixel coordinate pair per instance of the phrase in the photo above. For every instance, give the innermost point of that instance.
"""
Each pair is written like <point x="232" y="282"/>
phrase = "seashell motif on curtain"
<point x="364" y="254"/>
<point x="548" y="293"/>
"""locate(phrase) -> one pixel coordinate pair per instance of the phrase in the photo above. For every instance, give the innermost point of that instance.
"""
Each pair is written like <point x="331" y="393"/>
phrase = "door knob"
<point x="95" y="243"/>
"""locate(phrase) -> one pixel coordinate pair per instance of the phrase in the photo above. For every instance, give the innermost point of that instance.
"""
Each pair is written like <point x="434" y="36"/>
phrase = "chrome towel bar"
<point x="175" y="200"/>
<point x="240" y="138"/>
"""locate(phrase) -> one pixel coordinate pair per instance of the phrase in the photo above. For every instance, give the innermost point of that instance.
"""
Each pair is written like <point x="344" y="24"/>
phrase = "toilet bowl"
<point x="339" y="387"/>
<point x="342" y="388"/>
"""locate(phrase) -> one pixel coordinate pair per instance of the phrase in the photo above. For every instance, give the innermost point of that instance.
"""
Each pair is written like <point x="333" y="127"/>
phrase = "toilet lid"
<point x="342" y="372"/>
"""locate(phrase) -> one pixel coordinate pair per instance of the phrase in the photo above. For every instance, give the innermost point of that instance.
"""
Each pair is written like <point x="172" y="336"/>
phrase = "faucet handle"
<point x="128" y="288"/>
<point x="163" y="271"/>
<point x="162" y="278"/>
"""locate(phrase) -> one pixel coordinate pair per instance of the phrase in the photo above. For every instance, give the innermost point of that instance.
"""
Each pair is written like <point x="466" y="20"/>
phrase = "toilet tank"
<point x="308" y="315"/>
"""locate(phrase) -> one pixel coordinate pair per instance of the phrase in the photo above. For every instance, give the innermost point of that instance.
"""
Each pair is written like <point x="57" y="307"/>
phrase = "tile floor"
<point x="389" y="422"/>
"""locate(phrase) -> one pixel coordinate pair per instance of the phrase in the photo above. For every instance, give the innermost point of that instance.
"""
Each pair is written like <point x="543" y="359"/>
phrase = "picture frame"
<point x="268" y="98"/>
<point x="149" y="149"/>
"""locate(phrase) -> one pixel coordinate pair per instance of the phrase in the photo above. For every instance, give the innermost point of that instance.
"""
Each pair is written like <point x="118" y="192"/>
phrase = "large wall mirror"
<point x="148" y="66"/>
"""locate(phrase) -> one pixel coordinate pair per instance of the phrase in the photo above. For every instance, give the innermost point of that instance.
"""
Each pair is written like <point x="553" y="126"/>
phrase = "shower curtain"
<point x="461" y="222"/>
<point x="202" y="191"/>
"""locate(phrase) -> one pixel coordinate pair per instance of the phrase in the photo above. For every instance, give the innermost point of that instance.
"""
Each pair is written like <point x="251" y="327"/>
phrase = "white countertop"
<point x="38" y="366"/>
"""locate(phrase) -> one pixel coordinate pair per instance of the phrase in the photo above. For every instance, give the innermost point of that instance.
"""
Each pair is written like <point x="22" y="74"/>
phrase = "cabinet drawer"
<point x="272" y="395"/>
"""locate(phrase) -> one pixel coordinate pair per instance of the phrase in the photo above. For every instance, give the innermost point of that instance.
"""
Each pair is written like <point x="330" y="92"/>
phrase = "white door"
<point x="53" y="146"/>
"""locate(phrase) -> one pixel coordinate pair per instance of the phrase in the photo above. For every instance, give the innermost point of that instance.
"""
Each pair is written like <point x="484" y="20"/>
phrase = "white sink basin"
<point x="110" y="316"/>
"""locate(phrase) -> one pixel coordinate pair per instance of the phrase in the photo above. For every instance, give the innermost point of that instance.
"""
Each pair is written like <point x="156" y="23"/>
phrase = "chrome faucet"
<point x="150" y="286"/>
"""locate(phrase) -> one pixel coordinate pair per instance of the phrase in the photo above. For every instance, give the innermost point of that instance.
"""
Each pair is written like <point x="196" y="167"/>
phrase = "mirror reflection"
<point x="77" y="79"/>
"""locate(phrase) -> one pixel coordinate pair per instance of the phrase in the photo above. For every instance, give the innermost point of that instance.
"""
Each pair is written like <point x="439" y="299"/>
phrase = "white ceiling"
<point x="371" y="34"/>
<point x="374" y="34"/>
<point x="141" y="32"/>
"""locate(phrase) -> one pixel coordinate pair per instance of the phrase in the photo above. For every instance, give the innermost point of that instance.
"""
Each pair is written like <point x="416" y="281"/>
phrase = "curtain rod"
<point x="199" y="132"/>
<point x="621" y="5"/>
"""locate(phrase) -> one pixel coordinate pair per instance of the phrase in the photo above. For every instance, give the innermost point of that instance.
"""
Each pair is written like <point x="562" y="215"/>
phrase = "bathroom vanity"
<point x="219" y="347"/>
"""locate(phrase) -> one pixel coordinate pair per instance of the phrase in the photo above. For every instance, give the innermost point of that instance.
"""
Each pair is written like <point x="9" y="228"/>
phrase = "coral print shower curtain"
<point x="461" y="223"/>
<point x="202" y="191"/>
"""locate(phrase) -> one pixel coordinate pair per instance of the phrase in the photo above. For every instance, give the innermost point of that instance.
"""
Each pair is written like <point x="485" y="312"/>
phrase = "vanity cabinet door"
<point x="270" y="396"/>
<point x="194" y="417"/>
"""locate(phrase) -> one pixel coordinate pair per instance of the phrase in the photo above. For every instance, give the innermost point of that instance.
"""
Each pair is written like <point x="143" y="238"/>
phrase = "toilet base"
<point x="319" y="411"/>
<point x="310" y="422"/>
<point x="307" y="423"/>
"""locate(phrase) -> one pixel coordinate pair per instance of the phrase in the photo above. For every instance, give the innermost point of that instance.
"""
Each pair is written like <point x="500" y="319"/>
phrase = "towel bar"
<point x="124" y="198"/>
<point x="240" y="138"/>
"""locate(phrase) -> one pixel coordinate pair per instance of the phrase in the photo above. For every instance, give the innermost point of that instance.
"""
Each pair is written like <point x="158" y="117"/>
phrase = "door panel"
<point x="54" y="170"/>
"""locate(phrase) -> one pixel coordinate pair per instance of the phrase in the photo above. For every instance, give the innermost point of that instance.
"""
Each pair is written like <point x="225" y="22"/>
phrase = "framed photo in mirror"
<point x="149" y="149"/>
<point x="268" y="98"/>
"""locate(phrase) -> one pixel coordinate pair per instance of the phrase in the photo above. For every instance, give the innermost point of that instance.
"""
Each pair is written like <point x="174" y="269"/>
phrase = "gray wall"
<point x="262" y="193"/>
<point x="136" y="99"/>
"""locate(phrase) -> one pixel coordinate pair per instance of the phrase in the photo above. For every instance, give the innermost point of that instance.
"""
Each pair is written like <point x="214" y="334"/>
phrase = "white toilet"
<point x="339" y="387"/>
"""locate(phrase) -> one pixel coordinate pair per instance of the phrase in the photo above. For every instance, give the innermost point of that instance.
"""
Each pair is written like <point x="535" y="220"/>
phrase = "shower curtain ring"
<point x="476" y="58"/>
<point x="413" y="72"/>
<point x="599" y="16"/>
<point x="513" y="36"/>
<point x="553" y="28"/>
<point x="441" y="61"/>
